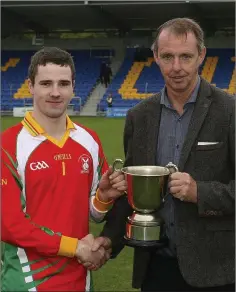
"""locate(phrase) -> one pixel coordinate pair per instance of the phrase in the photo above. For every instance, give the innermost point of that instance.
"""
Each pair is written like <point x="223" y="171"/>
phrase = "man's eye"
<point x="167" y="57"/>
<point x="186" y="57"/>
<point x="45" y="83"/>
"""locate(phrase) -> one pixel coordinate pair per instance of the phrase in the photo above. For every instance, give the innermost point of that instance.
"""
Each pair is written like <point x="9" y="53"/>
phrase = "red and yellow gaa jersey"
<point x="46" y="202"/>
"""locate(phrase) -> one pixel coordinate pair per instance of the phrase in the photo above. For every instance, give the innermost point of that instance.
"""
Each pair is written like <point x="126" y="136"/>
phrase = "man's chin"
<point x="179" y="86"/>
<point x="55" y="114"/>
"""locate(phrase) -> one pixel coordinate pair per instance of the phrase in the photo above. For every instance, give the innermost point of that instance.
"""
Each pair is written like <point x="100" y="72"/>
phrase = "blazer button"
<point x="213" y="213"/>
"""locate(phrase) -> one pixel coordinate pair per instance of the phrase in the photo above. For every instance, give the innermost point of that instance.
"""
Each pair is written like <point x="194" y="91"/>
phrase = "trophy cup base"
<point x="144" y="244"/>
<point x="144" y="233"/>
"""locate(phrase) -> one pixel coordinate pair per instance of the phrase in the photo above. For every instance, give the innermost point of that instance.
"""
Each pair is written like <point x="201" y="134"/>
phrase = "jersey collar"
<point x="33" y="127"/>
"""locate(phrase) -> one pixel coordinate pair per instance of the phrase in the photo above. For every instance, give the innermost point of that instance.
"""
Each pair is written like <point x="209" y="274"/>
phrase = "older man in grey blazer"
<point x="192" y="124"/>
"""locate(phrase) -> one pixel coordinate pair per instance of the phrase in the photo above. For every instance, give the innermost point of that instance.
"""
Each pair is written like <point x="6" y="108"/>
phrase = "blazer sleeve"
<point x="115" y="219"/>
<point x="215" y="197"/>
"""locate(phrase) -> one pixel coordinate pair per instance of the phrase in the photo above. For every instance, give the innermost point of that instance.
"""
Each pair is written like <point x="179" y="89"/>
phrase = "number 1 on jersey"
<point x="63" y="168"/>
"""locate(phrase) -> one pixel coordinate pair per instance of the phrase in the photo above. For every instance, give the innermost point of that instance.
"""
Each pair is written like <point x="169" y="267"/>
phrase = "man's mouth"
<point x="178" y="77"/>
<point x="54" y="101"/>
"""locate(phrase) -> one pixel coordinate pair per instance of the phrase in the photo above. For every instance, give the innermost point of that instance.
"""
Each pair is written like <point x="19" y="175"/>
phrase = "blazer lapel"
<point x="200" y="111"/>
<point x="153" y="118"/>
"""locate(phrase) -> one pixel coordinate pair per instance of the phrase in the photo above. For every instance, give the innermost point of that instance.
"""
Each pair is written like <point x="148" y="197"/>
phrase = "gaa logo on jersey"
<point x="84" y="161"/>
<point x="38" y="165"/>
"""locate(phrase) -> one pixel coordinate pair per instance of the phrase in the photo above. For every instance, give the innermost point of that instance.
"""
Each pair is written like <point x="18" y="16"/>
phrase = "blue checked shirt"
<point x="172" y="132"/>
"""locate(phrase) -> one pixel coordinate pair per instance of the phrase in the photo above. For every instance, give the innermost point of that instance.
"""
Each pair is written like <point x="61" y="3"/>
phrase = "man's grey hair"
<point x="179" y="27"/>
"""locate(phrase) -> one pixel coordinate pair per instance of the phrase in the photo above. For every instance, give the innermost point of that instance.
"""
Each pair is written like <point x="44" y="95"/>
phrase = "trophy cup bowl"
<point x="147" y="186"/>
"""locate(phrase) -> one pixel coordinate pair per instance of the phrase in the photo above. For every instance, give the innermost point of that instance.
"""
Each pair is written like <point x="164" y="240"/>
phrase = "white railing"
<point x="8" y="91"/>
<point x="146" y="87"/>
<point x="73" y="108"/>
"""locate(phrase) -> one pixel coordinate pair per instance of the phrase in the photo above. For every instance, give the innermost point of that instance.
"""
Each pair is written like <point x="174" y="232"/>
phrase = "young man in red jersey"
<point x="54" y="176"/>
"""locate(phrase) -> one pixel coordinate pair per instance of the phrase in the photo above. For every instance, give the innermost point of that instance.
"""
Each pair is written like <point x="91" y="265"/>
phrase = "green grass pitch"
<point x="117" y="273"/>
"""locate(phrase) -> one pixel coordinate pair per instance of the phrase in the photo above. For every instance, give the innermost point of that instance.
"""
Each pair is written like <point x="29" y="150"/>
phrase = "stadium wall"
<point x="17" y="43"/>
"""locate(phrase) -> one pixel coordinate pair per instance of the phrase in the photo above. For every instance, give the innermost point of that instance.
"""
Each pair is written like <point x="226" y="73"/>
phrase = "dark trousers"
<point x="106" y="81"/>
<point x="164" y="275"/>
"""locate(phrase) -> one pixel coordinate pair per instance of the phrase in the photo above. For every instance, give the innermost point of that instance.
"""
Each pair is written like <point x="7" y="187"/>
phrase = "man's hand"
<point x="90" y="259"/>
<point x="182" y="186"/>
<point x="102" y="242"/>
<point x="112" y="185"/>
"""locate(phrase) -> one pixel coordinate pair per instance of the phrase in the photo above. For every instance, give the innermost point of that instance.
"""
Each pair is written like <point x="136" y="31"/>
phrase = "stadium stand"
<point x="14" y="89"/>
<point x="138" y="80"/>
<point x="134" y="81"/>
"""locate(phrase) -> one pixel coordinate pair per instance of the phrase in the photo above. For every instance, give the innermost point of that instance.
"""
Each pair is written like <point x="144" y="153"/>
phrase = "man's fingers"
<point x="121" y="184"/>
<point x="87" y="264"/>
<point x="89" y="238"/>
<point x="94" y="268"/>
<point x="101" y="252"/>
<point x="106" y="243"/>
<point x="108" y="254"/>
<point x="101" y="241"/>
<point x="117" y="179"/>
<point x="122" y="189"/>
<point x="97" y="259"/>
<point x="110" y="171"/>
<point x="175" y="190"/>
<point x="98" y="242"/>
<point x="176" y="175"/>
<point x="175" y="183"/>
<point x="115" y="174"/>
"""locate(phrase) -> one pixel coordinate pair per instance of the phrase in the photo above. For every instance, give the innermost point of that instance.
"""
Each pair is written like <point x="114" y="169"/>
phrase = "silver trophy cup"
<point x="147" y="186"/>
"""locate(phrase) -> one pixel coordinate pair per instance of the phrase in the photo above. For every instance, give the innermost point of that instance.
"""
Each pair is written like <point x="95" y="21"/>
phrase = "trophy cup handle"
<point x="172" y="167"/>
<point x="117" y="162"/>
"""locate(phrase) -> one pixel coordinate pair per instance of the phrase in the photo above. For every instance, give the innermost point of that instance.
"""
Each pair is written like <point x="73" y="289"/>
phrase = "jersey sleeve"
<point x="100" y="166"/>
<point x="16" y="226"/>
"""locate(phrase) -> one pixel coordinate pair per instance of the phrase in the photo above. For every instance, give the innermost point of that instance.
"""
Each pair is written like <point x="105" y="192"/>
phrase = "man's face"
<point x="52" y="90"/>
<point x="178" y="59"/>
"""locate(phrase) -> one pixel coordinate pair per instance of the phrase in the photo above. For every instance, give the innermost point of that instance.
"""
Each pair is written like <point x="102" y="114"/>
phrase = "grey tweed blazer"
<point x="206" y="230"/>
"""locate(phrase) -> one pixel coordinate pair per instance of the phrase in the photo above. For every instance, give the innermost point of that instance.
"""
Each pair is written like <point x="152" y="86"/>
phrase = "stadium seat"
<point x="138" y="80"/>
<point x="133" y="82"/>
<point x="14" y="74"/>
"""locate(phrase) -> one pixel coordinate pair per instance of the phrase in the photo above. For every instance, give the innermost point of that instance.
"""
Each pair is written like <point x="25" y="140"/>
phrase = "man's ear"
<point x="31" y="87"/>
<point x="155" y="56"/>
<point x="202" y="56"/>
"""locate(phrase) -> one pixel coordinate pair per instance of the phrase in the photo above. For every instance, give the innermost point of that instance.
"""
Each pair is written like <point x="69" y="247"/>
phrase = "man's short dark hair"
<point x="181" y="26"/>
<point x="50" y="55"/>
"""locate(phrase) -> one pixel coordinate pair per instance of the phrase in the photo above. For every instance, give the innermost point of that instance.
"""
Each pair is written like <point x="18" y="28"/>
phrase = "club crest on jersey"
<point x="84" y="161"/>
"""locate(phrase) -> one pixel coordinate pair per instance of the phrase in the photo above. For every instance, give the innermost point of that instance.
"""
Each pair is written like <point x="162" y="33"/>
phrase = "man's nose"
<point x="55" y="91"/>
<point x="176" y="64"/>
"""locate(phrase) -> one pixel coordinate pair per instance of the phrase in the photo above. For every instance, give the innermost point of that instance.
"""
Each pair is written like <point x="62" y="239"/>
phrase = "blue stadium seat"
<point x="87" y="65"/>
<point x="151" y="81"/>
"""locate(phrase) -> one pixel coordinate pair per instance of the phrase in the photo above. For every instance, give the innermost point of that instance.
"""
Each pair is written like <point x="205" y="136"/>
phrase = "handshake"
<point x="92" y="252"/>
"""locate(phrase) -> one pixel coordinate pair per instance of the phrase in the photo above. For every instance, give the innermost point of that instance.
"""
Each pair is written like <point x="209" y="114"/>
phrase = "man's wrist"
<point x="99" y="205"/>
<point x="102" y="197"/>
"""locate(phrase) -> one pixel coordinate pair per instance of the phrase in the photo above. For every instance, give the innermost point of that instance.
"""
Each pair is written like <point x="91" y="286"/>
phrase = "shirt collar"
<point x="33" y="127"/>
<point x="192" y="98"/>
